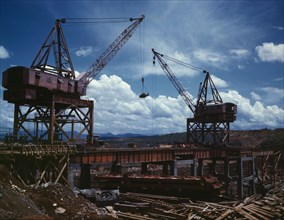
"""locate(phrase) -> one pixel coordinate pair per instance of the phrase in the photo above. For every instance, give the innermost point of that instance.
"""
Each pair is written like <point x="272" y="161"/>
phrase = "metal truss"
<point x="54" y="123"/>
<point x="216" y="133"/>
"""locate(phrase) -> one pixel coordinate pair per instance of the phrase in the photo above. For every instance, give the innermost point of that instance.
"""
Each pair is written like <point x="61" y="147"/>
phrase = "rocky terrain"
<point x="48" y="201"/>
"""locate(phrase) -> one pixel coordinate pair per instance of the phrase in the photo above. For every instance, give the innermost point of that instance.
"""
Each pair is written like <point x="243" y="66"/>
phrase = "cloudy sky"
<point x="241" y="43"/>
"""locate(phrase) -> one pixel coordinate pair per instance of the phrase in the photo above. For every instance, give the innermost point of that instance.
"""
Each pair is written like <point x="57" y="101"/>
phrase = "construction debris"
<point x="55" y="201"/>
<point x="255" y="207"/>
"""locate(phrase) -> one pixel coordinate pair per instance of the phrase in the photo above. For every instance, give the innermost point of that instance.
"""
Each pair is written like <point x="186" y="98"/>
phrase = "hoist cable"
<point x="94" y="20"/>
<point x="141" y="41"/>
<point x="182" y="63"/>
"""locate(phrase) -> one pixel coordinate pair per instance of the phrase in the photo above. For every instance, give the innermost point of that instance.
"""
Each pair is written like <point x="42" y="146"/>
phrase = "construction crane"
<point x="210" y="116"/>
<point x="50" y="94"/>
<point x="61" y="75"/>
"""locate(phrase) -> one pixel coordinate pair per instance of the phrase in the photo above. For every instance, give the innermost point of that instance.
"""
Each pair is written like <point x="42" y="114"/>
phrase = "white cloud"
<point x="254" y="115"/>
<point x="272" y="95"/>
<point x="84" y="51"/>
<point x="255" y="96"/>
<point x="270" y="52"/>
<point x="4" y="54"/>
<point x="6" y="114"/>
<point x="239" y="53"/>
<point x="180" y="56"/>
<point x="208" y="56"/>
<point x="278" y="79"/>
<point x="178" y="62"/>
<point x="219" y="83"/>
<point x="119" y="110"/>
<point x="241" y="67"/>
<point x="278" y="28"/>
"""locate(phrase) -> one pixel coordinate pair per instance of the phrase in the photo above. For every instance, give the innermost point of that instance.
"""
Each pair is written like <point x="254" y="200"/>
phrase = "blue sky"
<point x="241" y="43"/>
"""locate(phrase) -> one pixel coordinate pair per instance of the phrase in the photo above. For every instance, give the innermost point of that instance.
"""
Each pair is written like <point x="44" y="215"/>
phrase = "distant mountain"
<point x="263" y="138"/>
<point x="4" y="131"/>
<point x="118" y="136"/>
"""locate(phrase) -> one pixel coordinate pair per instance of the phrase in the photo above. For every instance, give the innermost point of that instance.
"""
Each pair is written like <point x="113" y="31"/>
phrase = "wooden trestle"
<point x="37" y="164"/>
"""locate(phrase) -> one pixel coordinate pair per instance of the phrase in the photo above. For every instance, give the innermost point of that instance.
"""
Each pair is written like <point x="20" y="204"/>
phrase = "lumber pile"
<point x="256" y="207"/>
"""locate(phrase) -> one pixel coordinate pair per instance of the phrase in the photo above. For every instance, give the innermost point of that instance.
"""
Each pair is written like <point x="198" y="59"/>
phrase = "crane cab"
<point x="223" y="112"/>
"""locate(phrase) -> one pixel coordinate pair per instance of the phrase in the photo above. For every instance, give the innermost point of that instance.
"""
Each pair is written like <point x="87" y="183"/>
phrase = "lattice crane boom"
<point x="184" y="94"/>
<point x="109" y="53"/>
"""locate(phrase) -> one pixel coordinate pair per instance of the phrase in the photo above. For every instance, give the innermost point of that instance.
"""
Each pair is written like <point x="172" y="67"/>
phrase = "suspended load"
<point x="143" y="93"/>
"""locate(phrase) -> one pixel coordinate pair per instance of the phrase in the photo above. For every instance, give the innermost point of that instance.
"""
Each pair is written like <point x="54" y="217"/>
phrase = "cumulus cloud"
<point x="255" y="96"/>
<point x="254" y="115"/>
<point x="84" y="51"/>
<point x="4" y="54"/>
<point x="6" y="114"/>
<point x="118" y="109"/>
<point x="270" y="52"/>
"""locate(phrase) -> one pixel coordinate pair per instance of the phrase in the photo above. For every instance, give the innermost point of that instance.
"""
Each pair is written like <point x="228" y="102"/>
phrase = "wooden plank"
<point x="161" y="216"/>
<point x="246" y="214"/>
<point x="261" y="210"/>
<point x="225" y="214"/>
<point x="255" y="213"/>
<point x="129" y="216"/>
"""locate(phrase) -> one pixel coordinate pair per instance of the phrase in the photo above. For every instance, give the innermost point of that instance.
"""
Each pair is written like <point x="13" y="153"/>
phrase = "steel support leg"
<point x="194" y="167"/>
<point x="144" y="169"/>
<point x="165" y="168"/>
<point x="200" y="167"/>
<point x="173" y="167"/>
<point x="240" y="178"/>
<point x="85" y="177"/>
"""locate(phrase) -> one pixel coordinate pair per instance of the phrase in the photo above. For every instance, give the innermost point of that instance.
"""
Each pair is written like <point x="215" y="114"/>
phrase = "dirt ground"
<point x="48" y="201"/>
